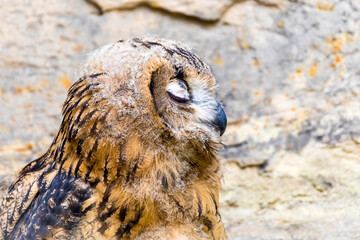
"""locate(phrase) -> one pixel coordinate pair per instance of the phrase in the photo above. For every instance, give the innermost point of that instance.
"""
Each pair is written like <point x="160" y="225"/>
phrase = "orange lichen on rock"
<point x="218" y="60"/>
<point x="325" y="7"/>
<point x="281" y="24"/>
<point x="78" y="48"/>
<point x="17" y="146"/>
<point x="26" y="147"/>
<point x="335" y="44"/>
<point x="256" y="63"/>
<point x="243" y="44"/>
<point x="18" y="90"/>
<point x="337" y="60"/>
<point x="313" y="70"/>
<point x="31" y="88"/>
<point x="28" y="88"/>
<point x="65" y="80"/>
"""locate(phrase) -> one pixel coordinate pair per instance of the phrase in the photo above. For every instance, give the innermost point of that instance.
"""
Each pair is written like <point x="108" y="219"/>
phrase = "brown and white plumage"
<point x="135" y="156"/>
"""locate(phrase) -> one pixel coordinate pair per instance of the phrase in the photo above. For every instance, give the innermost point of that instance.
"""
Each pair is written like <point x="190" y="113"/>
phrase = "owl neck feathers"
<point x="134" y="160"/>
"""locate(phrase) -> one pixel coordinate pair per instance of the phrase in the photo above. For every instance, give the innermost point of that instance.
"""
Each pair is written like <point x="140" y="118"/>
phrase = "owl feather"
<point x="135" y="155"/>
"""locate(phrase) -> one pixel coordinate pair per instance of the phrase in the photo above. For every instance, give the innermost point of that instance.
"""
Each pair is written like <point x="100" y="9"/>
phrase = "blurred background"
<point x="288" y="75"/>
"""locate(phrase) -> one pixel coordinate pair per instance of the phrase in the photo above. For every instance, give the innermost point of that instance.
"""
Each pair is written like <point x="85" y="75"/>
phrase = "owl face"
<point x="186" y="102"/>
<point x="158" y="89"/>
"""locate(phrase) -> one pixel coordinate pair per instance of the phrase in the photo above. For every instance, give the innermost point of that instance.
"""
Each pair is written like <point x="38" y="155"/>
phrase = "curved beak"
<point x="220" y="120"/>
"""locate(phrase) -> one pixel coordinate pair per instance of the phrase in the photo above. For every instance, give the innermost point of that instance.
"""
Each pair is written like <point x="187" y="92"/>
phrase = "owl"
<point x="135" y="156"/>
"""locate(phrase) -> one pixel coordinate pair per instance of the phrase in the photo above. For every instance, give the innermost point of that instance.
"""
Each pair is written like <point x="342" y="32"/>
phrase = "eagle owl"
<point x="135" y="155"/>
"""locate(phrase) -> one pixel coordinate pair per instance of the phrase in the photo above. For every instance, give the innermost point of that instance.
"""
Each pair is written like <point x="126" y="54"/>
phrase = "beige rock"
<point x="311" y="195"/>
<point x="203" y="9"/>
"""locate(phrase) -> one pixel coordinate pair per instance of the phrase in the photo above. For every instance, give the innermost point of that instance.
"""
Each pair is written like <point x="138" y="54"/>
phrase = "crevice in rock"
<point x="174" y="14"/>
<point x="180" y="15"/>
<point x="96" y="6"/>
<point x="170" y="14"/>
<point x="267" y="4"/>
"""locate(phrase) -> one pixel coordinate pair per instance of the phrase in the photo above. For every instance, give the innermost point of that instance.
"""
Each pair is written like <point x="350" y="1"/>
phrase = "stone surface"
<point x="288" y="74"/>
<point x="312" y="195"/>
<point x="207" y="10"/>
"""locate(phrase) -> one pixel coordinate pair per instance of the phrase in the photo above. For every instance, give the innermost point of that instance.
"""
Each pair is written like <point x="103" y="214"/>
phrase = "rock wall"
<point x="288" y="74"/>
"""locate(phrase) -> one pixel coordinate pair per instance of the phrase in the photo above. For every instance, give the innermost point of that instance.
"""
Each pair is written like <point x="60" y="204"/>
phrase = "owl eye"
<point x="178" y="91"/>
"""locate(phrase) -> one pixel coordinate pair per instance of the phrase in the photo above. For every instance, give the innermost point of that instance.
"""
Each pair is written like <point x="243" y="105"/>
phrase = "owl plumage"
<point x="135" y="155"/>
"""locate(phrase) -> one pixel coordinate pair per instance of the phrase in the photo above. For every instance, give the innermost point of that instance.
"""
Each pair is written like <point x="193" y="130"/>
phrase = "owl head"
<point x="154" y="89"/>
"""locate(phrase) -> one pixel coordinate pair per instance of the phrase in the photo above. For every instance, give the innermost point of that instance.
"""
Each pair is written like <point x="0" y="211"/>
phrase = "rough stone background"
<point x="288" y="74"/>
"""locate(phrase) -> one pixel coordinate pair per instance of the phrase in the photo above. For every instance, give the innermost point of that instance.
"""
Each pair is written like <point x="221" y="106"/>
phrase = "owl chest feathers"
<point x="134" y="188"/>
<point x="124" y="190"/>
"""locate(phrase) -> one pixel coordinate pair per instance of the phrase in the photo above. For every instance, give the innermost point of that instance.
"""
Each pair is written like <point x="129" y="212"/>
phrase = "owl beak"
<point x="220" y="120"/>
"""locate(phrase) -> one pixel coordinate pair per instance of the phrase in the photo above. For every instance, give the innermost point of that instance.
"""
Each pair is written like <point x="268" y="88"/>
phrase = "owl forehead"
<point x="133" y="58"/>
